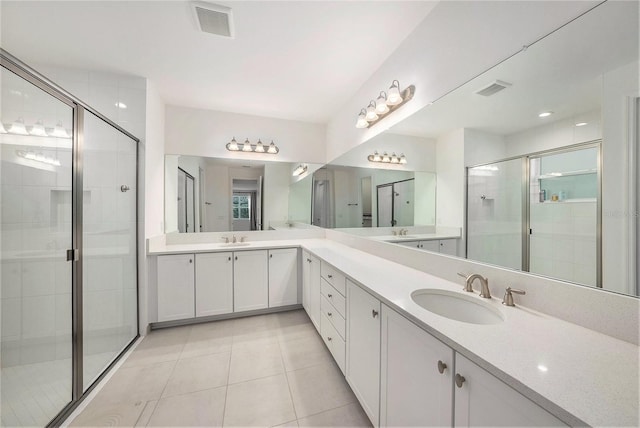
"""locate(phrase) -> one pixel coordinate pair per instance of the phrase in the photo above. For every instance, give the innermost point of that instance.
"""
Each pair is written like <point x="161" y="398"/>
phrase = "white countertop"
<point x="590" y="378"/>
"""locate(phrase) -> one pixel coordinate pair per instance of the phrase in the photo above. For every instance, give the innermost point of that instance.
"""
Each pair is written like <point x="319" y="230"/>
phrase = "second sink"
<point x="457" y="306"/>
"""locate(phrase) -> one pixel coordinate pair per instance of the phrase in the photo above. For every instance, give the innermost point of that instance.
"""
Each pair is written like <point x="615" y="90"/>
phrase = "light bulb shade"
<point x="403" y="159"/>
<point x="246" y="147"/>
<point x="38" y="130"/>
<point x="385" y="158"/>
<point x="232" y="146"/>
<point x="2" y="129"/>
<point x="273" y="149"/>
<point x="371" y="112"/>
<point x="259" y="147"/>
<point x="18" y="127"/>
<point x="59" y="131"/>
<point x="393" y="96"/>
<point x="362" y="120"/>
<point x="381" y="103"/>
<point x="394" y="158"/>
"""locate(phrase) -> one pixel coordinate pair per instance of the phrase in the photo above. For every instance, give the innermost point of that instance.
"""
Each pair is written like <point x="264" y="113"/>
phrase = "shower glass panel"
<point x="403" y="202"/>
<point x="36" y="219"/>
<point x="182" y="201"/>
<point x="109" y="245"/>
<point x="494" y="213"/>
<point x="385" y="205"/>
<point x="563" y="215"/>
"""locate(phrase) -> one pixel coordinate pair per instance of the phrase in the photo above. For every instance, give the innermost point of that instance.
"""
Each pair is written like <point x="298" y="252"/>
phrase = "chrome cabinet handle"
<point x="459" y="380"/>
<point x="270" y="256"/>
<point x="329" y="313"/>
<point x="190" y="260"/>
<point x="236" y="257"/>
<point x="329" y="339"/>
<point x="330" y="276"/>
<point x="124" y="188"/>
<point x="330" y="295"/>
<point x="308" y="260"/>
<point x="374" y="313"/>
<point x="441" y="366"/>
<point x="229" y="259"/>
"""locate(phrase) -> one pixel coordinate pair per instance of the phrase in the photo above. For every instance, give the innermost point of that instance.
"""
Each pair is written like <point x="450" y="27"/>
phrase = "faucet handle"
<point x="242" y="238"/>
<point x="225" y="239"/>
<point x="507" y="300"/>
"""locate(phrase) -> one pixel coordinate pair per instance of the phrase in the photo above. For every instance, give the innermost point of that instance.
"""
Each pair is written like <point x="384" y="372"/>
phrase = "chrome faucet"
<point x="235" y="239"/>
<point x="484" y="284"/>
<point x="403" y="232"/>
<point x="225" y="239"/>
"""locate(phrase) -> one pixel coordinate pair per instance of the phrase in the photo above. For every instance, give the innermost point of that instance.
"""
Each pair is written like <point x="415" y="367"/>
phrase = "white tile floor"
<point x="268" y="370"/>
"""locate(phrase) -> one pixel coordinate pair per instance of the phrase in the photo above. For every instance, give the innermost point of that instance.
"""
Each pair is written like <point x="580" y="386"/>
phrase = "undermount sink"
<point x="236" y="244"/>
<point x="406" y="237"/>
<point x="457" y="306"/>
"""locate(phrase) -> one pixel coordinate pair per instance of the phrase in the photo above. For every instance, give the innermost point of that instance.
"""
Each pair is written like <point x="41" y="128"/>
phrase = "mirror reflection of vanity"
<point x="219" y="195"/>
<point x="551" y="194"/>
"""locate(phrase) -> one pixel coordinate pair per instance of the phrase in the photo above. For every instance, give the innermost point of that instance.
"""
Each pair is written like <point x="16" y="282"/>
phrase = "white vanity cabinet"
<point x="283" y="277"/>
<point x="483" y="400"/>
<point x="363" y="349"/>
<point x="443" y="246"/>
<point x="416" y="385"/>
<point x="250" y="280"/>
<point x="311" y="287"/>
<point x="175" y="287"/>
<point x="214" y="284"/>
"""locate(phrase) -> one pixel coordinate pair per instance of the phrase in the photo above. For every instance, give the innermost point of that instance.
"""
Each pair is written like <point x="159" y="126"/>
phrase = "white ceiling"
<point x="298" y="60"/>
<point x="561" y="73"/>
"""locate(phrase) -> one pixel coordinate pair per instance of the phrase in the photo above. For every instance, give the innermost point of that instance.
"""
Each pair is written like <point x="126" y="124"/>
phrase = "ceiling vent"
<point x="492" y="88"/>
<point x="213" y="18"/>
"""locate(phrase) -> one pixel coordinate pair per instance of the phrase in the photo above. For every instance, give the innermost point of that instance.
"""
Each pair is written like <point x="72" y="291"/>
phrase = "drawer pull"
<point x="374" y="313"/>
<point x="308" y="260"/>
<point x="229" y="259"/>
<point x="329" y="339"/>
<point x="330" y="276"/>
<point x="330" y="295"/>
<point x="459" y="380"/>
<point x="328" y="313"/>
<point x="441" y="366"/>
<point x="190" y="260"/>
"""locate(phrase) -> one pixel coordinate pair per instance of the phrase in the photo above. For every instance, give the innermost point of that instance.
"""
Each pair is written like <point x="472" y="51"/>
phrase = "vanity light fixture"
<point x="300" y="169"/>
<point x="247" y="147"/>
<point x="545" y="114"/>
<point x="385" y="158"/>
<point x="386" y="103"/>
<point x="38" y="157"/>
<point x="38" y="129"/>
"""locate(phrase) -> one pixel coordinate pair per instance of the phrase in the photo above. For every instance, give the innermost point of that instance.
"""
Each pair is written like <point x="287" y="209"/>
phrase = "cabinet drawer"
<point x="334" y="277"/>
<point x="334" y="316"/>
<point x="334" y="342"/>
<point x="336" y="299"/>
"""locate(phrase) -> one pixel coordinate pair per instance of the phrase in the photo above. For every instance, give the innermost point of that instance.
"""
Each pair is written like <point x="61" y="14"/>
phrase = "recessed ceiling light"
<point x="581" y="124"/>
<point x="121" y="105"/>
<point x="545" y="114"/>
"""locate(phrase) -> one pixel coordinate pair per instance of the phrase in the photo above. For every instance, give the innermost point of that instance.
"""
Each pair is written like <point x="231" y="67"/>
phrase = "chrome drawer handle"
<point x="329" y="339"/>
<point x="441" y="366"/>
<point x="330" y="295"/>
<point x="374" y="313"/>
<point x="459" y="380"/>
<point x="329" y="313"/>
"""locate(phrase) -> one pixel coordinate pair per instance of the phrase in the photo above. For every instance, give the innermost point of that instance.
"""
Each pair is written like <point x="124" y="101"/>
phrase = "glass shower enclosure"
<point x="539" y="213"/>
<point x="68" y="247"/>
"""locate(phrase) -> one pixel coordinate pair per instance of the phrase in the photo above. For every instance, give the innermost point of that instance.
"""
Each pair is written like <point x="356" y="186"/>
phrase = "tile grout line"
<point x="226" y="390"/>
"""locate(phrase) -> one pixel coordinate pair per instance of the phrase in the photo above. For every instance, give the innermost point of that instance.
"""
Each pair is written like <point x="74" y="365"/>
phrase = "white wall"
<point x="205" y="133"/>
<point x="454" y="43"/>
<point x="620" y="87"/>
<point x="170" y="206"/>
<point x="450" y="179"/>
<point x="154" y="163"/>
<point x="276" y="193"/>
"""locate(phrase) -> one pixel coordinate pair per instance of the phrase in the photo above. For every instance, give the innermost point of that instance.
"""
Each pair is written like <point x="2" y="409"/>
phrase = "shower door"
<point x="36" y="230"/>
<point x="109" y="259"/>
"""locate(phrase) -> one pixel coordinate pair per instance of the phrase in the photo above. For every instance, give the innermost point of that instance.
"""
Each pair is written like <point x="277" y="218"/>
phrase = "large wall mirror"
<point x="220" y="195"/>
<point x="536" y="160"/>
<point x="384" y="183"/>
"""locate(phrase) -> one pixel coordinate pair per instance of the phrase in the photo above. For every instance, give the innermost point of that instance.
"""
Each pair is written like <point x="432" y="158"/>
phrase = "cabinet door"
<point x="363" y="349"/>
<point x="483" y="400"/>
<point x="449" y="246"/>
<point x="283" y="277"/>
<point x="250" y="280"/>
<point x="214" y="284"/>
<point x="311" y="289"/>
<point x="412" y="244"/>
<point x="306" y="280"/>
<point x="413" y="391"/>
<point x="432" y="245"/>
<point x="175" y="287"/>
